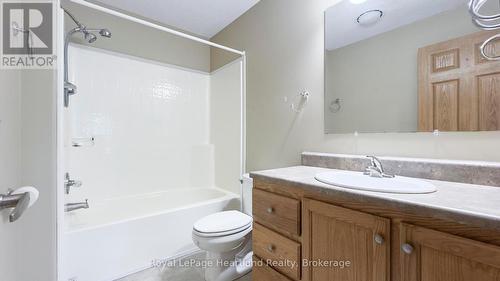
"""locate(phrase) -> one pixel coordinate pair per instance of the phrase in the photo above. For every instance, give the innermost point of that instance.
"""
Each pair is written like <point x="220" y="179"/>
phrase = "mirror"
<point x="409" y="66"/>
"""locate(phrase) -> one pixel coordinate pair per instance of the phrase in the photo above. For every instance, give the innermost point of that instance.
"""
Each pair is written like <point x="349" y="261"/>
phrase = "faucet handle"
<point x="69" y="183"/>
<point x="376" y="166"/>
<point x="373" y="159"/>
<point x="375" y="162"/>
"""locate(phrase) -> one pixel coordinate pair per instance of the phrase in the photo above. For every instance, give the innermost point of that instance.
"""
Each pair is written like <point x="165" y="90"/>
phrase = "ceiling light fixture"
<point x="370" y="17"/>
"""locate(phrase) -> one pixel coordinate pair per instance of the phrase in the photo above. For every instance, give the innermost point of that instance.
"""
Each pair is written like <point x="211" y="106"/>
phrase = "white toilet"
<point x="227" y="239"/>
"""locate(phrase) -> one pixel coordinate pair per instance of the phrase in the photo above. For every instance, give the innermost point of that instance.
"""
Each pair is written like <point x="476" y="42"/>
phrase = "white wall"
<point x="225" y="125"/>
<point x="150" y="121"/>
<point x="285" y="50"/>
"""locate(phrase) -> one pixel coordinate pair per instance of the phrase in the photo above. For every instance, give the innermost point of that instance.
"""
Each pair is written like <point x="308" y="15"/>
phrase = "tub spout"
<point x="75" y="206"/>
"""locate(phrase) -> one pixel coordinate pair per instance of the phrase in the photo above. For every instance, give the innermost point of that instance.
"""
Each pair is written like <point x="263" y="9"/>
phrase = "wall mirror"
<point x="409" y="66"/>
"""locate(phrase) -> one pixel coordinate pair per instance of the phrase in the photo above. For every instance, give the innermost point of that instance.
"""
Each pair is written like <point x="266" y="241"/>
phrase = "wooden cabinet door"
<point x="437" y="256"/>
<point x="332" y="234"/>
<point x="459" y="90"/>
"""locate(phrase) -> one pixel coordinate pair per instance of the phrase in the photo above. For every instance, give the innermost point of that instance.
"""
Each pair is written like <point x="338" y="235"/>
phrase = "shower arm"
<point x="70" y="88"/>
<point x="66" y="43"/>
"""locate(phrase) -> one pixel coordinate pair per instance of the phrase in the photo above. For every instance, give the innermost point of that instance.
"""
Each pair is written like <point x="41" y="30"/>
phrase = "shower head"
<point x="89" y="34"/>
<point x="90" y="37"/>
<point x="105" y="33"/>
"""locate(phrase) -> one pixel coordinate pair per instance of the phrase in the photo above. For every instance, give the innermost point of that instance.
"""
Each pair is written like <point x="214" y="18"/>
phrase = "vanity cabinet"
<point x="280" y="213"/>
<point x="272" y="246"/>
<point x="354" y="245"/>
<point x="275" y="235"/>
<point x="429" y="255"/>
<point x="381" y="243"/>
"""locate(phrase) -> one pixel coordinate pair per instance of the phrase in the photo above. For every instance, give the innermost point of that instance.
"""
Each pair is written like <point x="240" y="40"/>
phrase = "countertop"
<point x="476" y="205"/>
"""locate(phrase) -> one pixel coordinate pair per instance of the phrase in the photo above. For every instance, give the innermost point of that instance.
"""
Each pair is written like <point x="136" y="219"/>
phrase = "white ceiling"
<point x="204" y="18"/>
<point x="342" y="28"/>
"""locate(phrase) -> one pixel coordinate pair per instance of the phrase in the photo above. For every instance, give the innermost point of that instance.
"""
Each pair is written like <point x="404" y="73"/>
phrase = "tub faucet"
<point x="376" y="169"/>
<point x="69" y="207"/>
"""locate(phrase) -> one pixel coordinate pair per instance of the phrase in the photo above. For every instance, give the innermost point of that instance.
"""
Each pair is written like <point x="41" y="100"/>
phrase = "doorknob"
<point x="379" y="239"/>
<point x="407" y="248"/>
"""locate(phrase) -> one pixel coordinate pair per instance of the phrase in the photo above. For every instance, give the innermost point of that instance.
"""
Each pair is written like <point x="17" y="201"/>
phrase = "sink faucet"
<point x="376" y="169"/>
<point x="75" y="206"/>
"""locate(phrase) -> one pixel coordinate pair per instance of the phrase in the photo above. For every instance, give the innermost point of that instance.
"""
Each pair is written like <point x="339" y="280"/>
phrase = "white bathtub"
<point x="117" y="237"/>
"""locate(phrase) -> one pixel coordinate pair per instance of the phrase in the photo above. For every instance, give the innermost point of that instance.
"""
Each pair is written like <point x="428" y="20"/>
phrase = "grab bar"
<point x="19" y="202"/>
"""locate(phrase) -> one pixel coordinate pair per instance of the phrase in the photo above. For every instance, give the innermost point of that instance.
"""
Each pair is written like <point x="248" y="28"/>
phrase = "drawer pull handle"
<point x="407" y="248"/>
<point x="270" y="210"/>
<point x="379" y="239"/>
<point x="270" y="248"/>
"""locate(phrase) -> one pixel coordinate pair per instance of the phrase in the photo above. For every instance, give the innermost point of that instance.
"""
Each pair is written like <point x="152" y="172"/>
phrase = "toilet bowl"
<point x="227" y="239"/>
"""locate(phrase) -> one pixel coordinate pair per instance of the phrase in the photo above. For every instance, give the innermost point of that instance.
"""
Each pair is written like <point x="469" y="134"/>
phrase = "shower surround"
<point x="166" y="153"/>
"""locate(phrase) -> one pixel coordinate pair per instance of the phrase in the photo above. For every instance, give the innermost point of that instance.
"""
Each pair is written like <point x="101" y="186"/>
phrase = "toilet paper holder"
<point x="20" y="200"/>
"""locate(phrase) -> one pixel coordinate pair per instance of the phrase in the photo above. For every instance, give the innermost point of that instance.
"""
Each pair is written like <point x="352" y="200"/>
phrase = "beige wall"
<point x="36" y="230"/>
<point x="10" y="160"/>
<point x="137" y="40"/>
<point x="27" y="158"/>
<point x="378" y="76"/>
<point x="284" y="43"/>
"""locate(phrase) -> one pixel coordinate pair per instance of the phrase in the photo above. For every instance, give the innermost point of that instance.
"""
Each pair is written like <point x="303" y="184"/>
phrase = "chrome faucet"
<point x="376" y="169"/>
<point x="69" y="207"/>
<point x="69" y="183"/>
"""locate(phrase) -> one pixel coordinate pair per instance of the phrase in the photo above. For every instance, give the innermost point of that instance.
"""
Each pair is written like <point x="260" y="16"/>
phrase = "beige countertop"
<point x="470" y="204"/>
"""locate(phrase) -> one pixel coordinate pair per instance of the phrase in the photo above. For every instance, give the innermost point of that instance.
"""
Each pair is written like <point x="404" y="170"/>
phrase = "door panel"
<point x="489" y="102"/>
<point x="332" y="233"/>
<point x="446" y="105"/>
<point x="457" y="87"/>
<point x="438" y="256"/>
<point x="445" y="60"/>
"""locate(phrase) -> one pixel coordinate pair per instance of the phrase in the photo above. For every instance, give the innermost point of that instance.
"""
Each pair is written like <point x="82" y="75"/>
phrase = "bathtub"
<point x="118" y="237"/>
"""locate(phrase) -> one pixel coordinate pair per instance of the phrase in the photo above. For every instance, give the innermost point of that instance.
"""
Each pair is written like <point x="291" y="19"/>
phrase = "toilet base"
<point x="231" y="265"/>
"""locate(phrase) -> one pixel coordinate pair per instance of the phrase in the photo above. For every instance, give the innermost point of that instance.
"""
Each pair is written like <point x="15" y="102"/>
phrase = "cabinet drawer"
<point x="265" y="273"/>
<point x="275" y="211"/>
<point x="281" y="251"/>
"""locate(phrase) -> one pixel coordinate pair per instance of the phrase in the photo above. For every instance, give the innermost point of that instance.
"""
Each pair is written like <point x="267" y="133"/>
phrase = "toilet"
<point x="227" y="239"/>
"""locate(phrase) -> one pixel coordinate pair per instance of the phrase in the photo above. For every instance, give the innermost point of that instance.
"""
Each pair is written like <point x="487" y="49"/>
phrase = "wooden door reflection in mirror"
<point x="459" y="90"/>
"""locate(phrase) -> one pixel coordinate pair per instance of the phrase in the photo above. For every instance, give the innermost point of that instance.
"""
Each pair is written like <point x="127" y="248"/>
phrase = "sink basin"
<point x="357" y="180"/>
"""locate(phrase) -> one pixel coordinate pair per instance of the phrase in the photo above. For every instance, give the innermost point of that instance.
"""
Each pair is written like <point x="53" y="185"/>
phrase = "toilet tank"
<point x="247" y="194"/>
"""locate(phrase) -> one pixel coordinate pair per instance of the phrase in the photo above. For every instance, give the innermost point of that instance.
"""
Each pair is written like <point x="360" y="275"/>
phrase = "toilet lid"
<point x="223" y="222"/>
